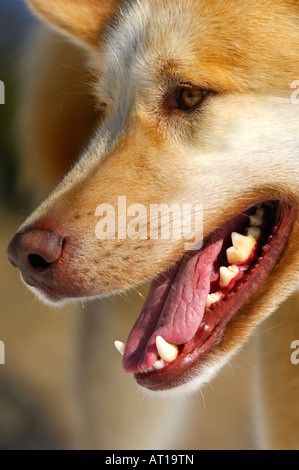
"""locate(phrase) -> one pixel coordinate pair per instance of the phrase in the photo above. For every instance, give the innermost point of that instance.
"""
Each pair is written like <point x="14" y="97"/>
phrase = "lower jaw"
<point x="212" y="329"/>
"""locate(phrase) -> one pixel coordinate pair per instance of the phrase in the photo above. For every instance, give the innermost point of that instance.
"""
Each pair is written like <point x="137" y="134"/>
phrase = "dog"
<point x="192" y="107"/>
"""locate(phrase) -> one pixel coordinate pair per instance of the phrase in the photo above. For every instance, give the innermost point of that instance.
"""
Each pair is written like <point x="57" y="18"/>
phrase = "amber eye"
<point x="189" y="97"/>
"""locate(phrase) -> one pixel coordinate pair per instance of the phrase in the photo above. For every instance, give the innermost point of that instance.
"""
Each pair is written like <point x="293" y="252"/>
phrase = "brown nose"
<point x="34" y="252"/>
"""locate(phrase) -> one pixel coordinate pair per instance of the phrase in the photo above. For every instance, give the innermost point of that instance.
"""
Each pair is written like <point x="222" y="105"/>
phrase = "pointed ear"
<point x="80" y="19"/>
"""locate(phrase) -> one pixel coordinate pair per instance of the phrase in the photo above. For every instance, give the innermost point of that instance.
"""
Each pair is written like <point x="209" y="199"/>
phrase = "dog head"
<point x="199" y="122"/>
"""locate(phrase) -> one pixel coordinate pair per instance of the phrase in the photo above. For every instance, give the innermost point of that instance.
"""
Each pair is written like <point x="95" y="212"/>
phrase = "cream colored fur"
<point x="243" y="147"/>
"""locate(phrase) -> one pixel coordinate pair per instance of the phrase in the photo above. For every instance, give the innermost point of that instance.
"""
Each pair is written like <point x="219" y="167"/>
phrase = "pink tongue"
<point x="173" y="309"/>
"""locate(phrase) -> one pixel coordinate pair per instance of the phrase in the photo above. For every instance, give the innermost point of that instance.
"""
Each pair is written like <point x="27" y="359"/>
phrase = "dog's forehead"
<point x="221" y="45"/>
<point x="146" y="35"/>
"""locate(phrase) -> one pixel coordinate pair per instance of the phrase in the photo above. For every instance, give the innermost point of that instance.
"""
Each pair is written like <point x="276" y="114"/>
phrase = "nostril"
<point x="38" y="263"/>
<point x="34" y="251"/>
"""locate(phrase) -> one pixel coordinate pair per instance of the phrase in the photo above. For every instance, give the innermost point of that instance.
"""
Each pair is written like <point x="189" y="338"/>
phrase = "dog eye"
<point x="190" y="97"/>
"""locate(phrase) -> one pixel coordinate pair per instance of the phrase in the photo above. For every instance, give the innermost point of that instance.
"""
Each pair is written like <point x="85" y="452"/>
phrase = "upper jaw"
<point x="67" y="286"/>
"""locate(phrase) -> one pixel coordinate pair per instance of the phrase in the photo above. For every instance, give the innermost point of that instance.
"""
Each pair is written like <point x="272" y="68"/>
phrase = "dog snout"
<point x="34" y="252"/>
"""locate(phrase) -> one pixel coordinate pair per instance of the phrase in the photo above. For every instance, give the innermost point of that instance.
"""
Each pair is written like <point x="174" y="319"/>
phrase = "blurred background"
<point x="15" y="22"/>
<point x="25" y="420"/>
<point x="62" y="385"/>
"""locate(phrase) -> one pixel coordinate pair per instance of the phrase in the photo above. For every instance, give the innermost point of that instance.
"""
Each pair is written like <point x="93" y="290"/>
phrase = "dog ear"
<point x="80" y="19"/>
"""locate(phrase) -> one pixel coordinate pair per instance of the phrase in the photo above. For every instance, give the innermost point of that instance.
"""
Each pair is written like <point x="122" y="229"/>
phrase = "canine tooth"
<point x="159" y="364"/>
<point x="167" y="351"/>
<point x="212" y="298"/>
<point x="120" y="346"/>
<point x="257" y="218"/>
<point x="227" y="274"/>
<point x="241" y="249"/>
<point x="254" y="232"/>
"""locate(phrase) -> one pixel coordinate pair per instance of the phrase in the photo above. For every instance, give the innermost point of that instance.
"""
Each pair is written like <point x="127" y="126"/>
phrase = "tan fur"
<point x="247" y="55"/>
<point x="82" y="19"/>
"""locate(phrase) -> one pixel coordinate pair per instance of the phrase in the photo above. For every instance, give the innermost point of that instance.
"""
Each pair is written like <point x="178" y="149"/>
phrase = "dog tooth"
<point x="120" y="346"/>
<point x="159" y="364"/>
<point x="257" y="218"/>
<point x="167" y="351"/>
<point x="241" y="249"/>
<point x="150" y="369"/>
<point x="227" y="274"/>
<point x="241" y="241"/>
<point x="254" y="232"/>
<point x="212" y="298"/>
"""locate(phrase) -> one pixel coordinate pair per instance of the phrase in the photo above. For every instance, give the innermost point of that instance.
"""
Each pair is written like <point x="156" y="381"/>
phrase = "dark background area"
<point x="15" y="24"/>
<point x="23" y="422"/>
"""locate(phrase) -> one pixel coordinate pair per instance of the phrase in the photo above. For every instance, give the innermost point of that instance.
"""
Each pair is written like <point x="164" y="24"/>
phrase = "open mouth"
<point x="188" y="307"/>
